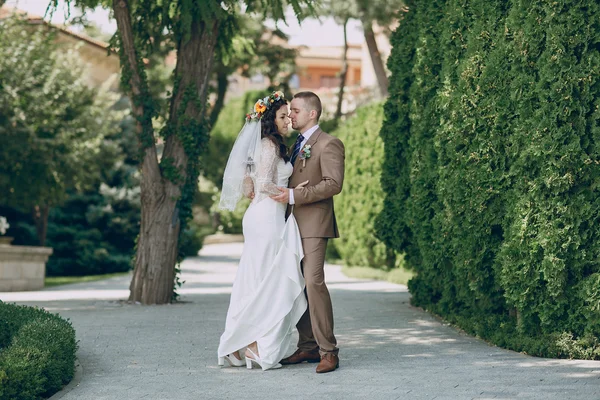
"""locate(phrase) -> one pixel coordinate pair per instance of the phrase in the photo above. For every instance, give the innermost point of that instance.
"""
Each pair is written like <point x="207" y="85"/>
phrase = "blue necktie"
<point x="297" y="148"/>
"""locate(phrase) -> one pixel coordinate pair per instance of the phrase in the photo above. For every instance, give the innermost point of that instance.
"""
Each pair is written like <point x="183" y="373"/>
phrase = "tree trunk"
<point x="378" y="66"/>
<point x="40" y="216"/>
<point x="157" y="247"/>
<point x="222" y="84"/>
<point x="151" y="283"/>
<point x="343" y="74"/>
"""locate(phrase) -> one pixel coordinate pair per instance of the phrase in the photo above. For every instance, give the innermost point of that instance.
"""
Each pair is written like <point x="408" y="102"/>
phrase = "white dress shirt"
<point x="307" y="136"/>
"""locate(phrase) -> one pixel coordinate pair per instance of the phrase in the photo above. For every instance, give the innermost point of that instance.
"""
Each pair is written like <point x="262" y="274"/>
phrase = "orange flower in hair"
<point x="263" y="105"/>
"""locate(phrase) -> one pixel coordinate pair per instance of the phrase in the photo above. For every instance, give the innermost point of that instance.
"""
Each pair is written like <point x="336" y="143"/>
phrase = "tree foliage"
<point x="491" y="169"/>
<point x="53" y="124"/>
<point x="93" y="225"/>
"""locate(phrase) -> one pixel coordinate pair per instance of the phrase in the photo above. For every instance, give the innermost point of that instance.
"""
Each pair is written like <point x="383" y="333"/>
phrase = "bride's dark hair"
<point x="269" y="129"/>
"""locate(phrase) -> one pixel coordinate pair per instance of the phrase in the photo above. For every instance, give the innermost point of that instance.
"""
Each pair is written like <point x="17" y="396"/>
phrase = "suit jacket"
<point x="324" y="171"/>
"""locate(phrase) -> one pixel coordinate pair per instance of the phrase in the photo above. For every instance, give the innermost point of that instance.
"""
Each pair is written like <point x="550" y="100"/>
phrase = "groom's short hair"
<point x="312" y="101"/>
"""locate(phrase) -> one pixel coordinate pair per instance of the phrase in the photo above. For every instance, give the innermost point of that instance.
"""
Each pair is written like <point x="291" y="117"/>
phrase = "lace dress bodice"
<point x="272" y="172"/>
<point x="284" y="171"/>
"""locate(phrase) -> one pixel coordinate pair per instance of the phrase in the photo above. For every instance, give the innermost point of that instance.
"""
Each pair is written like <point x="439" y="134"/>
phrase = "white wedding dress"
<point x="268" y="298"/>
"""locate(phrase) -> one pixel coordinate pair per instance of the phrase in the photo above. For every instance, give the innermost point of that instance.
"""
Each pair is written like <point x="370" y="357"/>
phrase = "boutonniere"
<point x="304" y="154"/>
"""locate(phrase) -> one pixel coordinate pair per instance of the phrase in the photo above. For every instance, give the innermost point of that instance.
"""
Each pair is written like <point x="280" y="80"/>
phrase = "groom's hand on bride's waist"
<point x="283" y="196"/>
<point x="286" y="195"/>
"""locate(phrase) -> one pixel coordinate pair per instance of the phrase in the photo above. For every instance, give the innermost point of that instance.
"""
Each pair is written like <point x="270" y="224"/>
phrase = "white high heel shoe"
<point x="256" y="359"/>
<point x="232" y="360"/>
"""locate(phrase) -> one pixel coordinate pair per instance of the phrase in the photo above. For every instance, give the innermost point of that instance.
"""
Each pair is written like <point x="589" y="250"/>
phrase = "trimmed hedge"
<point x="491" y="175"/>
<point x="362" y="197"/>
<point x="37" y="352"/>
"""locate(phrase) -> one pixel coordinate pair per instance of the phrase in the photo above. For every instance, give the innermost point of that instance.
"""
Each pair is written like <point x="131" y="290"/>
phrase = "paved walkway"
<point x="388" y="349"/>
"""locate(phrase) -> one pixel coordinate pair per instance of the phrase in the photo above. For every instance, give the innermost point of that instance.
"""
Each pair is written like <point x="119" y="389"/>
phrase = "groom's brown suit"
<point x="313" y="209"/>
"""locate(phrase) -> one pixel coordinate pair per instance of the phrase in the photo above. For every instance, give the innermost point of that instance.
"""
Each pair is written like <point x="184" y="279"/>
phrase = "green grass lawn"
<point x="397" y="275"/>
<point x="67" y="280"/>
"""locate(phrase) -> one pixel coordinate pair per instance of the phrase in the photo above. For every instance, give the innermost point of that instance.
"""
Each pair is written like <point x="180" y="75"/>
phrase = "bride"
<point x="267" y="298"/>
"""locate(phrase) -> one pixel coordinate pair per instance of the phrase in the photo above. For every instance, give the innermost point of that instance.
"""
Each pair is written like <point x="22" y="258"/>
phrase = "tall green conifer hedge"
<point x="362" y="198"/>
<point x="492" y="168"/>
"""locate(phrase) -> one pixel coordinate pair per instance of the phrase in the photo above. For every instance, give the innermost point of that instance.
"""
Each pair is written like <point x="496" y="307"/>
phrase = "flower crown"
<point x="262" y="105"/>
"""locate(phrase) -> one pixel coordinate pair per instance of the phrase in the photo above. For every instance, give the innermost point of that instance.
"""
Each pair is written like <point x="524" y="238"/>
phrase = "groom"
<point x="319" y="159"/>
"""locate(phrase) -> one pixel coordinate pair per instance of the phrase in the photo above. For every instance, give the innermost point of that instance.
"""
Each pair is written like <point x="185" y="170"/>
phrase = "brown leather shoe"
<point x="329" y="362"/>
<point x="301" y="356"/>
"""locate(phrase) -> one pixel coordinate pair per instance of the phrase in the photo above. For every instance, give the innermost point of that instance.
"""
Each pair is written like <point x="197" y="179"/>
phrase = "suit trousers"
<point x="315" y="328"/>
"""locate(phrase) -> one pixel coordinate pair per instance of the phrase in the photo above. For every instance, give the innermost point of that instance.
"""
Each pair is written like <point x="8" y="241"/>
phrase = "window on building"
<point x="330" y="81"/>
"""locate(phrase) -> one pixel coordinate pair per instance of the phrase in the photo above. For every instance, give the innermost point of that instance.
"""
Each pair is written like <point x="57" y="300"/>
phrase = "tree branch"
<point x="192" y="72"/>
<point x="343" y="73"/>
<point x="222" y="84"/>
<point x="137" y="88"/>
<point x="378" y="66"/>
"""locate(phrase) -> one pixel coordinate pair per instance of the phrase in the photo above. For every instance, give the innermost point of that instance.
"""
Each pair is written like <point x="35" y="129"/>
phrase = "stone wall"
<point x="22" y="267"/>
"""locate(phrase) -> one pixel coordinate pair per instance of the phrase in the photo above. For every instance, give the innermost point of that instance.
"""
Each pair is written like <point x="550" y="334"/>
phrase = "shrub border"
<point x="37" y="352"/>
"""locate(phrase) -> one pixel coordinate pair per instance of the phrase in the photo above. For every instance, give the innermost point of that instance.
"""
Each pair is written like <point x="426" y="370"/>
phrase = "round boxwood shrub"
<point x="37" y="352"/>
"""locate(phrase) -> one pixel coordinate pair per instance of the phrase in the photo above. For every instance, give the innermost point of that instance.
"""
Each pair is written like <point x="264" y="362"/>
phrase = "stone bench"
<point x="22" y="267"/>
